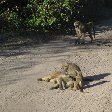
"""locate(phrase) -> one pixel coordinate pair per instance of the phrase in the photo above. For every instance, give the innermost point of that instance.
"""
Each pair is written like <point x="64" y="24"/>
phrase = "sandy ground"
<point x="20" y="67"/>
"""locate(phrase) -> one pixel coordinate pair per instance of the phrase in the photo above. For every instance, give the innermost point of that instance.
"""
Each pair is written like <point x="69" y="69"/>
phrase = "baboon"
<point x="51" y="77"/>
<point x="83" y="28"/>
<point x="57" y="78"/>
<point x="62" y="81"/>
<point x="72" y="70"/>
<point x="66" y="81"/>
<point x="69" y="77"/>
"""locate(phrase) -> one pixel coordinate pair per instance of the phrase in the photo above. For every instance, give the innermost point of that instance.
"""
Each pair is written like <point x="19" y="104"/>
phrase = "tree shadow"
<point x="35" y="39"/>
<point x="104" y="25"/>
<point x="98" y="77"/>
<point x="9" y="53"/>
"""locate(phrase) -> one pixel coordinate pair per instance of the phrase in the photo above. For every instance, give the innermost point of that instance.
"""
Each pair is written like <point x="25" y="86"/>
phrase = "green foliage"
<point x="11" y="18"/>
<point x="49" y="14"/>
<point x="46" y="14"/>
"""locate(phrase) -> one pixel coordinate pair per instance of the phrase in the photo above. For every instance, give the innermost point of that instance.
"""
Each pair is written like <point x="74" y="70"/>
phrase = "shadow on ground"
<point x="98" y="42"/>
<point x="95" y="78"/>
<point x="53" y="47"/>
<point x="34" y="39"/>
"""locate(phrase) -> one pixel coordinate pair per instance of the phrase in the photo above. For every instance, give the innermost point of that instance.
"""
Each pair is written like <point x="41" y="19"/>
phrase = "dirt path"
<point x="20" y="67"/>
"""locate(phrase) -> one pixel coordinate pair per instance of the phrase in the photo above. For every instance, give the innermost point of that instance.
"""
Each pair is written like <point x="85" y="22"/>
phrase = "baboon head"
<point x="76" y="24"/>
<point x="64" y="67"/>
<point x="67" y="66"/>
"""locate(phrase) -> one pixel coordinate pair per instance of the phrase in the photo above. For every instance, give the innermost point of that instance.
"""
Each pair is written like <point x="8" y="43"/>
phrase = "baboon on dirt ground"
<point x="81" y="30"/>
<point x="62" y="81"/>
<point x="70" y="76"/>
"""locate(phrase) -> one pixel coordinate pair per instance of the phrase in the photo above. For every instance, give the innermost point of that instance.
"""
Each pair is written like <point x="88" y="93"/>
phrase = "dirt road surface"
<point x="21" y="66"/>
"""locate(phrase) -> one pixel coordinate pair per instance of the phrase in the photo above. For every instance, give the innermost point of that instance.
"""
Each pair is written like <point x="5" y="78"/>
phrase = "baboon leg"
<point x="60" y="83"/>
<point x="64" y="84"/>
<point x="54" y="81"/>
<point x="82" y="38"/>
<point x="77" y="41"/>
<point x="81" y="85"/>
<point x="48" y="80"/>
<point x="90" y="35"/>
<point x="71" y="86"/>
<point x="76" y="86"/>
<point x="81" y="89"/>
<point x="55" y="87"/>
<point x="44" y="79"/>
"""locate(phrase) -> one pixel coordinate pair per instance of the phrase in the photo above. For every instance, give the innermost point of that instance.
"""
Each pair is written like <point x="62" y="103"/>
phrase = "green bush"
<point x="49" y="14"/>
<point x="12" y="20"/>
<point x="46" y="14"/>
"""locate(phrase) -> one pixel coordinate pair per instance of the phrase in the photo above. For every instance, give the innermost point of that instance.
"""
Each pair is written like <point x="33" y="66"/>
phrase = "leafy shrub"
<point x="46" y="14"/>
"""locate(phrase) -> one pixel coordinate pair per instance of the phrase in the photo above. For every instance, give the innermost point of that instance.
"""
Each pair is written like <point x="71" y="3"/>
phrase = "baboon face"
<point x="76" y="24"/>
<point x="71" y="69"/>
<point x="64" y="67"/>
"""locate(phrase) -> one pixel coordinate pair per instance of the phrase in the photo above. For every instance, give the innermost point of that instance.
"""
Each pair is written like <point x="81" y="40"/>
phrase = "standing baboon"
<point x="83" y="28"/>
